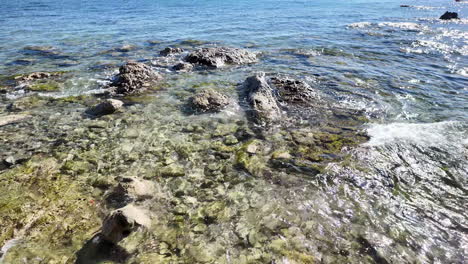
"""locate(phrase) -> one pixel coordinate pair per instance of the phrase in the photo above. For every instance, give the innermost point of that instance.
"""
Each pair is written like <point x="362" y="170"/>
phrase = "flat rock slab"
<point x="11" y="119"/>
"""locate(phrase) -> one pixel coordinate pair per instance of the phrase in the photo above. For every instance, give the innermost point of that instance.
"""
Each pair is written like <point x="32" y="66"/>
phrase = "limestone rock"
<point x="217" y="57"/>
<point x="107" y="107"/>
<point x="170" y="51"/>
<point x="11" y="119"/>
<point x="292" y="91"/>
<point x="209" y="101"/>
<point x="122" y="222"/>
<point x="134" y="77"/>
<point x="183" y="67"/>
<point x="259" y="95"/>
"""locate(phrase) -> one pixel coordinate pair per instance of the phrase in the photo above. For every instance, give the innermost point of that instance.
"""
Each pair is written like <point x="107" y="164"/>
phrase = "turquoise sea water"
<point x="405" y="69"/>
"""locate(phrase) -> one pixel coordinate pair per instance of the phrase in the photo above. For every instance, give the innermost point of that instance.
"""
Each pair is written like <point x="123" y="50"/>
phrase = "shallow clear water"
<point x="401" y="196"/>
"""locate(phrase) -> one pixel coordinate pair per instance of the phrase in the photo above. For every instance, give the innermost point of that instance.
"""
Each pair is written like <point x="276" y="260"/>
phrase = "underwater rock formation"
<point x="209" y="101"/>
<point x="122" y="222"/>
<point x="217" y="57"/>
<point x="107" y="107"/>
<point x="134" y="77"/>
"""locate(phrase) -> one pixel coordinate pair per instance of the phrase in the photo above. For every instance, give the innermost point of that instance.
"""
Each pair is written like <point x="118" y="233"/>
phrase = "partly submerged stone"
<point x="11" y="119"/>
<point x="170" y="51"/>
<point x="40" y="50"/>
<point x="107" y="107"/>
<point x="449" y="15"/>
<point x="220" y="56"/>
<point x="26" y="103"/>
<point x="183" y="67"/>
<point x="134" y="77"/>
<point x="209" y="101"/>
<point x="122" y="222"/>
<point x="260" y="97"/>
<point x="292" y="90"/>
<point x="125" y="48"/>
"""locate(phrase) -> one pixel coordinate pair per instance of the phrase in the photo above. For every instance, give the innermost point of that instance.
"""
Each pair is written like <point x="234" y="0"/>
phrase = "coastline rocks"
<point x="183" y="67"/>
<point x="107" y="107"/>
<point x="209" y="101"/>
<point x="217" y="57"/>
<point x="134" y="77"/>
<point x="449" y="16"/>
<point x="292" y="91"/>
<point x="169" y="51"/>
<point x="122" y="222"/>
<point x="259" y="95"/>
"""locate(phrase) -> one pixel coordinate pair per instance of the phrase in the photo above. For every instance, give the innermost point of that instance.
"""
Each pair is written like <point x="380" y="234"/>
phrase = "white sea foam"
<point x="447" y="132"/>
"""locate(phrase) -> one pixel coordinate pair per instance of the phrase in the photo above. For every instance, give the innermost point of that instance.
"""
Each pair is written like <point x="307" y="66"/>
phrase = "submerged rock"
<point x="122" y="222"/>
<point x="125" y="48"/>
<point x="220" y="56"/>
<point x="259" y="96"/>
<point x="449" y="16"/>
<point x="107" y="107"/>
<point x="169" y="51"/>
<point x="183" y="67"/>
<point x="209" y="101"/>
<point x="40" y="50"/>
<point x="292" y="91"/>
<point x="11" y="119"/>
<point x="134" y="77"/>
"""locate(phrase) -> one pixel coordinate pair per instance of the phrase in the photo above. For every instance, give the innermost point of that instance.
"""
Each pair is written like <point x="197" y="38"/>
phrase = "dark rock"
<point x="405" y="6"/>
<point x="40" y="50"/>
<point x="220" y="56"/>
<point x="134" y="77"/>
<point x="183" y="67"/>
<point x="260" y="96"/>
<point x="292" y="91"/>
<point x="169" y="51"/>
<point x="209" y="101"/>
<point x="125" y="48"/>
<point x="122" y="222"/>
<point x="449" y="16"/>
<point x="107" y="107"/>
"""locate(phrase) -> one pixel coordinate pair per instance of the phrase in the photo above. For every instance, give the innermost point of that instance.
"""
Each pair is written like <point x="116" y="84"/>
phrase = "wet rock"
<point x="134" y="77"/>
<point x="220" y="56"/>
<point x="292" y="91"/>
<point x="36" y="76"/>
<point x="449" y="16"/>
<point x="12" y="119"/>
<point x="107" y="107"/>
<point x="173" y="170"/>
<point x="122" y="222"/>
<point x="40" y="50"/>
<point x="130" y="189"/>
<point x="170" y="51"/>
<point x="125" y="48"/>
<point x="26" y="103"/>
<point x="259" y="95"/>
<point x="183" y="67"/>
<point x="209" y="101"/>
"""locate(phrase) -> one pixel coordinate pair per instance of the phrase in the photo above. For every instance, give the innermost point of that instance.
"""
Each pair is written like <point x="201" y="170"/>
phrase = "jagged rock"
<point x="259" y="95"/>
<point x="292" y="91"/>
<point x="209" y="101"/>
<point x="220" y="56"/>
<point x="183" y="67"/>
<point x="122" y="222"/>
<point x="11" y="119"/>
<point x="107" y="107"/>
<point x="134" y="77"/>
<point x="169" y="51"/>
<point x="449" y="16"/>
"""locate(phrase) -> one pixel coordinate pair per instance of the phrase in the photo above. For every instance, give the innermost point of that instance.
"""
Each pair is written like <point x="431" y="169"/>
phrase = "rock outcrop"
<point x="107" y="107"/>
<point x="183" y="67"/>
<point x="260" y="97"/>
<point x="134" y="77"/>
<point x="449" y="16"/>
<point x="292" y="91"/>
<point x="122" y="222"/>
<point x="209" y="101"/>
<point x="217" y="57"/>
<point x="169" y="51"/>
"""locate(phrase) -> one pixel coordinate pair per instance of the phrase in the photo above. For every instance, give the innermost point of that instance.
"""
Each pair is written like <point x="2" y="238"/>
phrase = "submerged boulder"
<point x="292" y="91"/>
<point x="122" y="222"/>
<point x="169" y="51"/>
<point x="107" y="107"/>
<point x="260" y="96"/>
<point x="217" y="57"/>
<point x="11" y="119"/>
<point x="183" y="67"/>
<point x="134" y="77"/>
<point x="449" y="16"/>
<point x="209" y="101"/>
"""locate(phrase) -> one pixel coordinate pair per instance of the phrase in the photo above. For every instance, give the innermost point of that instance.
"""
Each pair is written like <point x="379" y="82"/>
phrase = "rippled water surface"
<point x="391" y="112"/>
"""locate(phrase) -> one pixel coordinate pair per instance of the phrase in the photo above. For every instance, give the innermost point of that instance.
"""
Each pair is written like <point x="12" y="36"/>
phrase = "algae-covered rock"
<point x="122" y="222"/>
<point x="261" y="99"/>
<point x="49" y="86"/>
<point x="170" y="51"/>
<point x="183" y="67"/>
<point x="11" y="119"/>
<point x="173" y="170"/>
<point x="26" y="103"/>
<point x="107" y="107"/>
